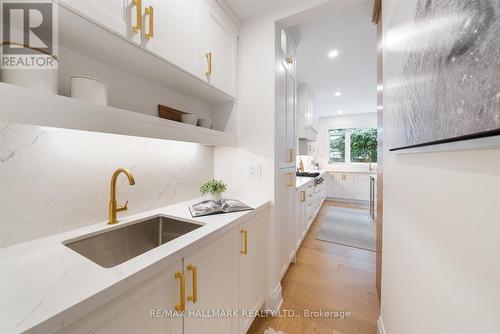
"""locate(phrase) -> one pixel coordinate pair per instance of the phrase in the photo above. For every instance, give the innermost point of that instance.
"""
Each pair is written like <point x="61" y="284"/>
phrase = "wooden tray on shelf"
<point x="170" y="113"/>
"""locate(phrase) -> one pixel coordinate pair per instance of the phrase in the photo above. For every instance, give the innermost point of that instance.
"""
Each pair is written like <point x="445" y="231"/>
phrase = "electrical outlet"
<point x="255" y="171"/>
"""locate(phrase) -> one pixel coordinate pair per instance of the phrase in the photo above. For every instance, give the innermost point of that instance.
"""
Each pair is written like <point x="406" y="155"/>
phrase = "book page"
<point x="206" y="207"/>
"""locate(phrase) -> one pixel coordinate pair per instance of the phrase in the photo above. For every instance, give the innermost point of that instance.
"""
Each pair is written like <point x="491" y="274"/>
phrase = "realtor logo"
<point x="29" y="36"/>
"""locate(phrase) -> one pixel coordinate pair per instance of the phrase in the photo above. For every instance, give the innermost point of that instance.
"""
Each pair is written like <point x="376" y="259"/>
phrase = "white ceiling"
<point x="353" y="72"/>
<point x="245" y="9"/>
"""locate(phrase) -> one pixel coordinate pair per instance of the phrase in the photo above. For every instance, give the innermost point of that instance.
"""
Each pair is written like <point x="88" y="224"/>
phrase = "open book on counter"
<point x="212" y="207"/>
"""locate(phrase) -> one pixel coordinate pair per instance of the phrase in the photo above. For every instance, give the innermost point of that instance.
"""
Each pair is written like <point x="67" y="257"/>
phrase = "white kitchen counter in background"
<point x="45" y="285"/>
<point x="302" y="181"/>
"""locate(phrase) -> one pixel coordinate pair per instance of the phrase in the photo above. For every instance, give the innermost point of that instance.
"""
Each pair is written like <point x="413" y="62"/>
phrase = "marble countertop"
<point x="45" y="285"/>
<point x="302" y="181"/>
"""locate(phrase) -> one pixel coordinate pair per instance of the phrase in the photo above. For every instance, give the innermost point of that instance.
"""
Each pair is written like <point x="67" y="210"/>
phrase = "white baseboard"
<point x="274" y="299"/>
<point x="380" y="326"/>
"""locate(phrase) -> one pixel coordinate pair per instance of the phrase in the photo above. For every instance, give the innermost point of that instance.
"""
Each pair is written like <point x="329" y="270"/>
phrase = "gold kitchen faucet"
<point x="113" y="207"/>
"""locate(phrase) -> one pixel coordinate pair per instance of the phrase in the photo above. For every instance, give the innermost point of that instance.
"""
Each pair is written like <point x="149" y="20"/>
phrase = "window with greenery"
<point x="353" y="145"/>
<point x="337" y="145"/>
<point x="364" y="145"/>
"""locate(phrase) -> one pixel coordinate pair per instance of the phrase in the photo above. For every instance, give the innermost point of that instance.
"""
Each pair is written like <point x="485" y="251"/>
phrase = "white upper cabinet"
<point x="219" y="38"/>
<point x="121" y="16"/>
<point x="172" y="30"/>
<point x="286" y="89"/>
<point x="307" y="119"/>
<point x="196" y="36"/>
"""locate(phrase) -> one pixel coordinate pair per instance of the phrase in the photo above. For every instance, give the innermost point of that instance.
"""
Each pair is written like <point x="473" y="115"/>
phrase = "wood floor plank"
<point x="328" y="277"/>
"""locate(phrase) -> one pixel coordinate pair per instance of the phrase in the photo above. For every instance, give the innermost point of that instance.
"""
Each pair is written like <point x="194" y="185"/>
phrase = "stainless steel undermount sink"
<point x="123" y="243"/>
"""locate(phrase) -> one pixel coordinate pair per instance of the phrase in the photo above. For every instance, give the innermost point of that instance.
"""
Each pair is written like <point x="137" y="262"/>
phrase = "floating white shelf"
<point x="28" y="106"/>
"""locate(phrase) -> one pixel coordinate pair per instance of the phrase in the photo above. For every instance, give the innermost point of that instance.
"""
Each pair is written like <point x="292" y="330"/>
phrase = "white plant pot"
<point x="213" y="196"/>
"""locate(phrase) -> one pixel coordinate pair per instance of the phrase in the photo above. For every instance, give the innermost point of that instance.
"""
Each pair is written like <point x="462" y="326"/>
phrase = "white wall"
<point x="440" y="266"/>
<point x="368" y="120"/>
<point x="54" y="180"/>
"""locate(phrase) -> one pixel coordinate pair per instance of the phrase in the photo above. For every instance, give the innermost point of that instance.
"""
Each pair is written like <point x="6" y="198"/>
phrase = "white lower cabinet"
<point x="343" y="185"/>
<point x="216" y="286"/>
<point x="225" y="275"/>
<point x="131" y="311"/>
<point x="308" y="201"/>
<point x="348" y="186"/>
<point x="361" y="187"/>
<point x="252" y="264"/>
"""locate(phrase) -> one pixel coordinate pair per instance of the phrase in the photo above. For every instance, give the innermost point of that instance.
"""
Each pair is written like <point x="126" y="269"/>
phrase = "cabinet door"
<point x="297" y="224"/>
<point x="301" y="212"/>
<point x="329" y="177"/>
<point x="291" y="102"/>
<point x="119" y="16"/>
<point x="348" y="186"/>
<point x="285" y="116"/>
<point x="301" y="111"/>
<point x="176" y="32"/>
<point x="252" y="266"/>
<point x="338" y="185"/>
<point x="283" y="155"/>
<point x="361" y="187"/>
<point x="290" y="215"/>
<point x="303" y="218"/>
<point x="131" y="311"/>
<point x="284" y="218"/>
<point x="220" y="44"/>
<point x="215" y="266"/>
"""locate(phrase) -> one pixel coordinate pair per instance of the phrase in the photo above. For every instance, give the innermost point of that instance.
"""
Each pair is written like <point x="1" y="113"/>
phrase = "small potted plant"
<point x="213" y="189"/>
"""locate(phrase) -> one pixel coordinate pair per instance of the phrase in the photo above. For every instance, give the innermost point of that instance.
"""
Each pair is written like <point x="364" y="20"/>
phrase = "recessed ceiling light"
<point x="337" y="94"/>
<point x="380" y="107"/>
<point x="380" y="88"/>
<point x="340" y="112"/>
<point x="333" y="53"/>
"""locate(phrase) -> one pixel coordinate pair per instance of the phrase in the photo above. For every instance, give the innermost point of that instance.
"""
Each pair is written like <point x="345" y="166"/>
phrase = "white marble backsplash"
<point x="54" y="180"/>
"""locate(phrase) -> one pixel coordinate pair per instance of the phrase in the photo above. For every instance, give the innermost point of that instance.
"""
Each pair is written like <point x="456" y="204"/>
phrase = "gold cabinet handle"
<point x="302" y="196"/>
<point x="181" y="307"/>
<point x="194" y="297"/>
<point x="208" y="55"/>
<point x="138" y="23"/>
<point x="290" y="182"/>
<point x="289" y="155"/>
<point x="245" y="242"/>
<point x="150" y="13"/>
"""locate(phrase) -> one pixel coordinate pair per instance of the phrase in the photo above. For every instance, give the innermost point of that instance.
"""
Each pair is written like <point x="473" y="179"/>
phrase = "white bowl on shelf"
<point x="189" y="119"/>
<point x="89" y="89"/>
<point x="205" y="123"/>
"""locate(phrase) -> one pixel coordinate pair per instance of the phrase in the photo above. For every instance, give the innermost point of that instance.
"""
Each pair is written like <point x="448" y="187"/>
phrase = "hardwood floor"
<point x="328" y="277"/>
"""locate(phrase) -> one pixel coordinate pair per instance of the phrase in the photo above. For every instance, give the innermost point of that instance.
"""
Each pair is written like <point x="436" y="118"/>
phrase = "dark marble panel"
<point x="450" y="83"/>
